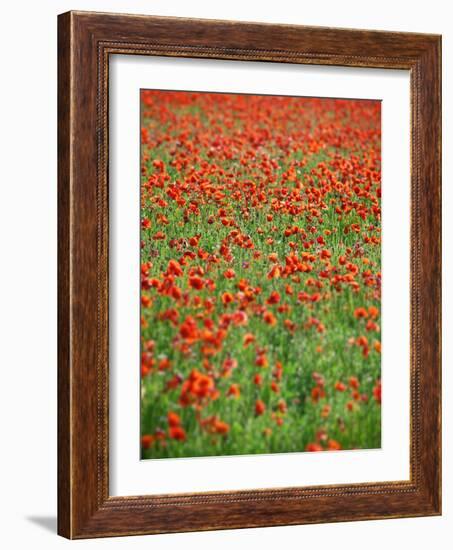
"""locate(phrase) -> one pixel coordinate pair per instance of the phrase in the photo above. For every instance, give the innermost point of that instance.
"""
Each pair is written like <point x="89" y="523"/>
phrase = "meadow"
<point x="260" y="274"/>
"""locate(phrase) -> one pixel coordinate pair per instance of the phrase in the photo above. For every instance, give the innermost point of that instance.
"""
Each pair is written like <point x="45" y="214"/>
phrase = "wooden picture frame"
<point x="85" y="42"/>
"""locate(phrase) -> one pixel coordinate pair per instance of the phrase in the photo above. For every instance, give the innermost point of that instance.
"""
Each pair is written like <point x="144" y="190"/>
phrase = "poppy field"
<point x="260" y="274"/>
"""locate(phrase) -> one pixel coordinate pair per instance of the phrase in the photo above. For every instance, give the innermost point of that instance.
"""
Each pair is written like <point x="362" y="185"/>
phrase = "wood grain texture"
<point x="86" y="40"/>
<point x="64" y="367"/>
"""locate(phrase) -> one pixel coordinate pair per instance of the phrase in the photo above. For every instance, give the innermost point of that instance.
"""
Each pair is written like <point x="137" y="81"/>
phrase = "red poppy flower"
<point x="313" y="447"/>
<point x="260" y="407"/>
<point x="196" y="282"/>
<point x="178" y="433"/>
<point x="173" y="419"/>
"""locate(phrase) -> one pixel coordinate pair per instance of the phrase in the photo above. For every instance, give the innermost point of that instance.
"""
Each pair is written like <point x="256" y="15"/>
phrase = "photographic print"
<point x="260" y="294"/>
<point x="219" y="297"/>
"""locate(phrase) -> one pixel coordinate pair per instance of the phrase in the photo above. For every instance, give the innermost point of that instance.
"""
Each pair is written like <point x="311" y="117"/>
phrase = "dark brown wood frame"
<point x="85" y="42"/>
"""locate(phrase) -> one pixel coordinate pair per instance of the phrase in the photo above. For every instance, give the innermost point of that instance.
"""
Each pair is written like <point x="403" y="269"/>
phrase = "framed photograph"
<point x="249" y="275"/>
